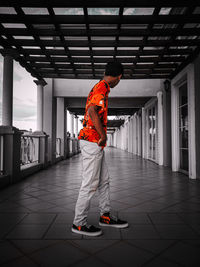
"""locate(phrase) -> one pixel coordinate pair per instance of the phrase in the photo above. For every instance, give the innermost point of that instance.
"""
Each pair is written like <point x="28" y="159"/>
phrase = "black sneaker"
<point x="89" y="230"/>
<point x="107" y="220"/>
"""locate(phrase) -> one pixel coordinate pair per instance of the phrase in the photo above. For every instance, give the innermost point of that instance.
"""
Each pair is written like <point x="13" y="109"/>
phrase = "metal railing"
<point x="58" y="147"/>
<point x="1" y="154"/>
<point x="29" y="149"/>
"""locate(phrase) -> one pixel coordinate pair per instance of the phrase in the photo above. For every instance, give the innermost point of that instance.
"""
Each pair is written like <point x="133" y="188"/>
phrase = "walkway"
<point x="163" y="209"/>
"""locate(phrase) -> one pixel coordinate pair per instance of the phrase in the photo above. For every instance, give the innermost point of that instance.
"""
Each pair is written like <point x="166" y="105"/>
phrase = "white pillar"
<point x="7" y="103"/>
<point x="60" y="121"/>
<point x="144" y="148"/>
<point x="72" y="125"/>
<point x="160" y="128"/>
<point x="76" y="126"/>
<point x="40" y="104"/>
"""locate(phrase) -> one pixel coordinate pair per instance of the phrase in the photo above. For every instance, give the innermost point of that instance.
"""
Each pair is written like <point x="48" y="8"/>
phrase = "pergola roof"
<point x="75" y="39"/>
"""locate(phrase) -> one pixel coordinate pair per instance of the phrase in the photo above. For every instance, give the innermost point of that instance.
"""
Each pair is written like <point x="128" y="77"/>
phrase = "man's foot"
<point x="88" y="230"/>
<point x="107" y="220"/>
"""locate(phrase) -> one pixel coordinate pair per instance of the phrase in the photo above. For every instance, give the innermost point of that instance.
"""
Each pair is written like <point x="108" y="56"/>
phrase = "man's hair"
<point x="114" y="69"/>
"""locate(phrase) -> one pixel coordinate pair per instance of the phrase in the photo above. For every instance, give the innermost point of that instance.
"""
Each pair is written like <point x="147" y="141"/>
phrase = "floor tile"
<point x="91" y="262"/>
<point x="93" y="246"/>
<point x="165" y="218"/>
<point x="59" y="255"/>
<point x="29" y="246"/>
<point x="22" y="262"/>
<point x="158" y="262"/>
<point x="176" y="232"/>
<point x="139" y="232"/>
<point x="153" y="246"/>
<point x="184" y="254"/>
<point x="122" y="254"/>
<point x="38" y="218"/>
<point x="27" y="231"/>
<point x="8" y="252"/>
<point x="62" y="232"/>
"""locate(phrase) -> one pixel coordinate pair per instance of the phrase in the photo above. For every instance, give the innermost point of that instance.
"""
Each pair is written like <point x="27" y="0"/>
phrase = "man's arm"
<point x="93" y="113"/>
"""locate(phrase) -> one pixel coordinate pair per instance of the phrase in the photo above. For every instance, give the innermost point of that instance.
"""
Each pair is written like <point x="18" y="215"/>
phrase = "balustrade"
<point x="29" y="149"/>
<point x="58" y="147"/>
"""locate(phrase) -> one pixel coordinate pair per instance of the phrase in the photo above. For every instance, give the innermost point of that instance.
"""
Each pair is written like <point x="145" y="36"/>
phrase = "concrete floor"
<point x="162" y="208"/>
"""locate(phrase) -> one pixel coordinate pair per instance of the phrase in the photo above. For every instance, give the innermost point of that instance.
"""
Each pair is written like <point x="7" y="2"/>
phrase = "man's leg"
<point x="92" y="157"/>
<point x="104" y="188"/>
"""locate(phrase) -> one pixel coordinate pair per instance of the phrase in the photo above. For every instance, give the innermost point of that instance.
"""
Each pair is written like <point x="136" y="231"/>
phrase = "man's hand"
<point x="102" y="141"/>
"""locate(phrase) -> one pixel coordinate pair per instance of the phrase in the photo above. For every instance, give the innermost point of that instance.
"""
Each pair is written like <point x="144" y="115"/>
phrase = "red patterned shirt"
<point x="98" y="96"/>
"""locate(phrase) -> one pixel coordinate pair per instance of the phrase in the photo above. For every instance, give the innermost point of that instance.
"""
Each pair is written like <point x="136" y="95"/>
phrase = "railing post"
<point x="11" y="152"/>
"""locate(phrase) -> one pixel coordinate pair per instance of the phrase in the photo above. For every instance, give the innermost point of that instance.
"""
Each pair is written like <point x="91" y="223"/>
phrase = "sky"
<point x="24" y="97"/>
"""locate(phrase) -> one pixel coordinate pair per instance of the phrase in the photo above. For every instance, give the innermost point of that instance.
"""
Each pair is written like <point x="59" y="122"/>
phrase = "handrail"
<point x="58" y="147"/>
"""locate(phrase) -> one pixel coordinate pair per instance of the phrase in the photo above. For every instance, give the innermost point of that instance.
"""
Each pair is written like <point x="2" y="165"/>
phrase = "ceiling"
<point x="75" y="39"/>
<point x="117" y="106"/>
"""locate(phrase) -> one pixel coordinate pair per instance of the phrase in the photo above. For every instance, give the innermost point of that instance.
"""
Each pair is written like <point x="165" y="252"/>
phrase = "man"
<point x="92" y="142"/>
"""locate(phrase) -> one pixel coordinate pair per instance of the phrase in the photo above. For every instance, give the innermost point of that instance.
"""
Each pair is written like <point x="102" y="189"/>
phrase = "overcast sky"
<point x="24" y="97"/>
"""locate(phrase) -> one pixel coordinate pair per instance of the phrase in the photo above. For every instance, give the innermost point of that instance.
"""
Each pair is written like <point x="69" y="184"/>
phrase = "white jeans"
<point x="95" y="176"/>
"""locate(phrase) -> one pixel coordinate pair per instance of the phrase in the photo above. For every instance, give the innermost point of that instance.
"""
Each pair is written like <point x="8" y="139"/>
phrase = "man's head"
<point x="113" y="73"/>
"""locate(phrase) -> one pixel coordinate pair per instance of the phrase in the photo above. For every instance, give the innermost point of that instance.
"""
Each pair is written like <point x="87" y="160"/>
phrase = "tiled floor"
<point x="162" y="208"/>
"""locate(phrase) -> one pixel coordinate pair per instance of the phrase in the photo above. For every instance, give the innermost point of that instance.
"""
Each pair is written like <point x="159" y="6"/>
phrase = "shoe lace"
<point x="88" y="225"/>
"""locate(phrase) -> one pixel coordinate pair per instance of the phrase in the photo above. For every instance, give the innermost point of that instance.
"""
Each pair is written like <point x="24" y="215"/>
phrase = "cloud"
<point x="22" y="110"/>
<point x="17" y="77"/>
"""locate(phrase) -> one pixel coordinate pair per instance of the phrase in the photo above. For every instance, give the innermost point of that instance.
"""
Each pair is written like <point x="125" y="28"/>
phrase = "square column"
<point x="72" y="125"/>
<point x="76" y="126"/>
<point x="40" y="95"/>
<point x="7" y="103"/>
<point x="61" y="125"/>
<point x="160" y="128"/>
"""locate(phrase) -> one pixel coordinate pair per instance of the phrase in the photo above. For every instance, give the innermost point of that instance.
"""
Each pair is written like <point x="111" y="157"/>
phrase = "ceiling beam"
<point x="101" y="19"/>
<point x="102" y="3"/>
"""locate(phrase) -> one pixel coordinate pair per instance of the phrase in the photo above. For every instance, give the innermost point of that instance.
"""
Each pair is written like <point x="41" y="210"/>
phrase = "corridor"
<point x="162" y="209"/>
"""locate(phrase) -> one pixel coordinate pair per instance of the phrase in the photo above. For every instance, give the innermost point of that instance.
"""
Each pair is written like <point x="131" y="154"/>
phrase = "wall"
<point x="197" y="111"/>
<point x="81" y="88"/>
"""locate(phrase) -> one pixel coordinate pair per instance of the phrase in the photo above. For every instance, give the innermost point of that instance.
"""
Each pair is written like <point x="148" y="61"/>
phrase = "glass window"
<point x="35" y="11"/>
<point x="68" y="11"/>
<point x="7" y="10"/>
<point x="14" y="25"/>
<point x="138" y="11"/>
<point x="103" y="11"/>
<point x="165" y="11"/>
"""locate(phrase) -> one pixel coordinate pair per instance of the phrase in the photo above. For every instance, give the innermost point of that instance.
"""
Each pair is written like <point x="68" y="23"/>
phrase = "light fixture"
<point x="167" y="85"/>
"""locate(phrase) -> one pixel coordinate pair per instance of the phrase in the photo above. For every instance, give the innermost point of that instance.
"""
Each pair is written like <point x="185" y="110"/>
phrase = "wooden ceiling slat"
<point x="102" y="19"/>
<point x="54" y="52"/>
<point x="105" y="60"/>
<point x="88" y="66"/>
<point x="102" y="3"/>
<point x="102" y="32"/>
<point x="108" y="43"/>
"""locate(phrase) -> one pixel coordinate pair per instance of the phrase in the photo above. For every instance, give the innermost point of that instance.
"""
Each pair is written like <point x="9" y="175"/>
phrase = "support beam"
<point x="40" y="103"/>
<point x="72" y="125"/>
<point x="7" y="105"/>
<point x="76" y="126"/>
<point x="160" y="128"/>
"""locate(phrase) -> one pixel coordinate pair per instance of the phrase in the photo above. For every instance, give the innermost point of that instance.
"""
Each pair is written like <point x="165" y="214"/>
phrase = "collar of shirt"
<point x="108" y="90"/>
